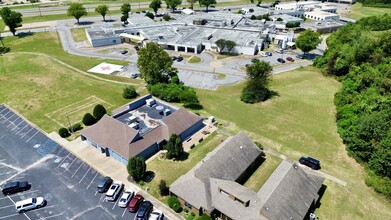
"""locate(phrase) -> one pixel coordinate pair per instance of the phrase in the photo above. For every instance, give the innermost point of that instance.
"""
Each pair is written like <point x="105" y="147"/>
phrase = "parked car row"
<point x="26" y="204"/>
<point x="133" y="202"/>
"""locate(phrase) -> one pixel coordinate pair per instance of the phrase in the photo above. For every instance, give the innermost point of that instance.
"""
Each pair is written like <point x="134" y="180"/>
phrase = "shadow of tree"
<point x="4" y="50"/>
<point x="24" y="34"/>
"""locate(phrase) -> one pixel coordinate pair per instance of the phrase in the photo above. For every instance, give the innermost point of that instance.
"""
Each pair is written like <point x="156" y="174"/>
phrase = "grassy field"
<point x="79" y="34"/>
<point x="358" y="11"/>
<point x="170" y="170"/>
<point x="2" y="25"/>
<point x="49" y="43"/>
<point x="44" y="91"/>
<point x="300" y="120"/>
<point x="194" y="59"/>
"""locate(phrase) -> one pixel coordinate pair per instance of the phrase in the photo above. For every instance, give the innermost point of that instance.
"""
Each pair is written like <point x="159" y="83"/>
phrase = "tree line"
<point x="359" y="55"/>
<point x="376" y="3"/>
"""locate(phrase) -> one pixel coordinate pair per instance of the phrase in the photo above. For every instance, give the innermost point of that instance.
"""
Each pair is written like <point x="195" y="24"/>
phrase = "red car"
<point x="135" y="203"/>
<point x="290" y="59"/>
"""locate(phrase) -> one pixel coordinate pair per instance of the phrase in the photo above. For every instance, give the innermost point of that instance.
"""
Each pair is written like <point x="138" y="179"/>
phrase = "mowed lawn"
<point x="79" y="34"/>
<point x="358" y="11"/>
<point x="300" y="120"/>
<point x="34" y="85"/>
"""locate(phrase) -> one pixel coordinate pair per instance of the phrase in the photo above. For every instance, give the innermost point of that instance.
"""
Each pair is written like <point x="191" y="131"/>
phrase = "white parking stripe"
<point x="9" y="216"/>
<point x="70" y="164"/>
<point x="3" y="110"/>
<point x="6" y="119"/>
<point x="92" y="180"/>
<point x="2" y="137"/>
<point x="85" y="175"/>
<point x="77" y="170"/>
<point x="115" y="204"/>
<point x="14" y="203"/>
<point x="17" y="125"/>
<point x="64" y="159"/>
<point x="123" y="212"/>
<point x="32" y="136"/>
<point x="26" y="133"/>
<point x="20" y="194"/>
<point x="12" y="171"/>
<point x="52" y="216"/>
<point x="21" y="129"/>
<point x="3" y="207"/>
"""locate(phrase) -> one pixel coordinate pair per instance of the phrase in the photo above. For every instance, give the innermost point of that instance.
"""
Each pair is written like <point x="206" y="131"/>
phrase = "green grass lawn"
<point x="300" y="120"/>
<point x="79" y="34"/>
<point x="38" y="87"/>
<point x="170" y="170"/>
<point x="358" y="11"/>
<point x="194" y="59"/>
<point x="49" y="43"/>
<point x="2" y="25"/>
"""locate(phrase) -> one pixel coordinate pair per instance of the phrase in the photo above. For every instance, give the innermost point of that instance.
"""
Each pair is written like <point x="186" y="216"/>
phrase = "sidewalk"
<point x="110" y="167"/>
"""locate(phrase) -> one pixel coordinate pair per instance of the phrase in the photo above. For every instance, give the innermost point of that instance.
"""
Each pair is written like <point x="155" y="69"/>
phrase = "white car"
<point x="279" y="50"/>
<point x="114" y="191"/>
<point x="156" y="215"/>
<point x="28" y="204"/>
<point x="125" y="198"/>
<point x="263" y="54"/>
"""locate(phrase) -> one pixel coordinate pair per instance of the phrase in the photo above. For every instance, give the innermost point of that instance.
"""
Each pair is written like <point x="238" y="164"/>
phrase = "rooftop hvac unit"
<point x="150" y="102"/>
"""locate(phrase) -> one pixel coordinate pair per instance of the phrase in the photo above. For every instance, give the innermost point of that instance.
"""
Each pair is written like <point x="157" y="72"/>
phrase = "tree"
<point x="166" y="17"/>
<point x="308" y="40"/>
<point x="77" y="10"/>
<point x="154" y="64"/>
<point x="259" y="2"/>
<point x="102" y="10"/>
<point x="63" y="132"/>
<point x="256" y="89"/>
<point x="155" y="5"/>
<point x="136" y="168"/>
<point x="221" y="44"/>
<point x="99" y="111"/>
<point x="163" y="188"/>
<point x="150" y="15"/>
<point x="230" y="45"/>
<point x="207" y="3"/>
<point x="173" y="3"/>
<point x="11" y="18"/>
<point x="129" y="92"/>
<point x="174" y="147"/>
<point x="192" y="2"/>
<point x="88" y="119"/>
<point x="125" y="9"/>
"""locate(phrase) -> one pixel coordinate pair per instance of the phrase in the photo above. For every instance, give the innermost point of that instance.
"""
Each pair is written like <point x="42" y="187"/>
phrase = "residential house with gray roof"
<point x="214" y="185"/>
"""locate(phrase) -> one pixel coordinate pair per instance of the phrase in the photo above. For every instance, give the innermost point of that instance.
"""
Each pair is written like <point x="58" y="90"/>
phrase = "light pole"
<point x="70" y="125"/>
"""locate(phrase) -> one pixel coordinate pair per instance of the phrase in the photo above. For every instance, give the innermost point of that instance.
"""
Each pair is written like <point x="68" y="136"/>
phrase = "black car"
<point x="15" y="187"/>
<point x="104" y="184"/>
<point x="280" y="60"/>
<point x="174" y="58"/>
<point x="144" y="210"/>
<point x="310" y="162"/>
<point x="269" y="54"/>
<point x="179" y="59"/>
<point x="124" y="51"/>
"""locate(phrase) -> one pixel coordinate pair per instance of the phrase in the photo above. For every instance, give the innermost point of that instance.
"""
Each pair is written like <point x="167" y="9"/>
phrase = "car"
<point x="173" y="58"/>
<point x="310" y="162"/>
<point x="263" y="54"/>
<point x="123" y="51"/>
<point x="280" y="60"/>
<point x="290" y="59"/>
<point x="28" y="204"/>
<point x="269" y="54"/>
<point x="279" y="50"/>
<point x="179" y="59"/>
<point x="135" y="203"/>
<point x="134" y="75"/>
<point x="15" y="187"/>
<point x="299" y="56"/>
<point x="114" y="191"/>
<point x="144" y="210"/>
<point x="125" y="199"/>
<point x="104" y="184"/>
<point x="156" y="215"/>
<point x="205" y="132"/>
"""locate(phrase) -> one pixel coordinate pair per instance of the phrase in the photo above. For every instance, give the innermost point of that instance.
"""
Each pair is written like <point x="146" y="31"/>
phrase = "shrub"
<point x="174" y="93"/>
<point x="253" y="17"/>
<point x="163" y="188"/>
<point x="174" y="203"/>
<point x="75" y="127"/>
<point x="166" y="17"/>
<point x="99" y="112"/>
<point x="129" y="92"/>
<point x="63" y="132"/>
<point x="203" y="217"/>
<point x="150" y="15"/>
<point x="88" y="119"/>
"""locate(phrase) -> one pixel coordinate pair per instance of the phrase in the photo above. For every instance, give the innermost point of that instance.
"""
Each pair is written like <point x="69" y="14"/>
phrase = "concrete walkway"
<point x="109" y="167"/>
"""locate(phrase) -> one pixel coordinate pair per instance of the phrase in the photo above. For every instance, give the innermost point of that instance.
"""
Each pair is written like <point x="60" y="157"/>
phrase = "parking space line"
<point x="17" y="125"/>
<point x="115" y="203"/>
<point x="32" y="136"/>
<point x="20" y="194"/>
<point x="18" y="213"/>
<point x="12" y="171"/>
<point x="9" y="216"/>
<point x="64" y="159"/>
<point x="70" y="164"/>
<point x="123" y="212"/>
<point x="3" y="207"/>
<point x="85" y="175"/>
<point x="21" y="129"/>
<point x="6" y="119"/>
<point x="26" y="133"/>
<point x="77" y="170"/>
<point x="17" y="117"/>
<point x="53" y="216"/>
<point x="3" y="110"/>
<point x="2" y="137"/>
<point x="92" y="180"/>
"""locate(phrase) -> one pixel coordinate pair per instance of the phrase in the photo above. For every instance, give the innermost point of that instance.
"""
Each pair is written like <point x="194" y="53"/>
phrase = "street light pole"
<point x="70" y="125"/>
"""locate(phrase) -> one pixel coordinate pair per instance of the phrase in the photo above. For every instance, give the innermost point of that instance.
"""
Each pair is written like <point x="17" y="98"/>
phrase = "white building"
<point x="321" y="16"/>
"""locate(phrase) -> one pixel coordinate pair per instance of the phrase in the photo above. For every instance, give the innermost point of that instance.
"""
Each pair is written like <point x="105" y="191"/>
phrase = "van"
<point x="28" y="204"/>
<point x="310" y="162"/>
<point x="15" y="187"/>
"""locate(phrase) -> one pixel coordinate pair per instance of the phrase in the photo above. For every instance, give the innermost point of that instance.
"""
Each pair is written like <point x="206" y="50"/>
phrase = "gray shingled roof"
<point x="180" y="121"/>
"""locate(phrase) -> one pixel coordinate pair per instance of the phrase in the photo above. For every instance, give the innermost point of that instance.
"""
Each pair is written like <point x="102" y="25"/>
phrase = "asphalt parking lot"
<point x="67" y="183"/>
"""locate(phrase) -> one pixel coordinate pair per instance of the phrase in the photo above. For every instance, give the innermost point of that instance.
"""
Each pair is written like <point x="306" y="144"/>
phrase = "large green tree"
<point x="308" y="40"/>
<point x="174" y="147"/>
<point x="99" y="111"/>
<point x="230" y="45"/>
<point x="77" y="10"/>
<point x="221" y="44"/>
<point x="207" y="3"/>
<point x="154" y="63"/>
<point x="173" y="3"/>
<point x="155" y="5"/>
<point x="125" y="9"/>
<point x="192" y="2"/>
<point x="258" y="78"/>
<point x="136" y="168"/>
<point x="11" y="18"/>
<point x="102" y="10"/>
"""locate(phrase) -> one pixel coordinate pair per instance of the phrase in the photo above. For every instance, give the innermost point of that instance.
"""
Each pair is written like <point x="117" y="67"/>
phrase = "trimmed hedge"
<point x="63" y="132"/>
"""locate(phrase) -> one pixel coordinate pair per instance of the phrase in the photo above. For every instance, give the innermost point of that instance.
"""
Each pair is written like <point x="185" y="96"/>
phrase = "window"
<point x="114" y="41"/>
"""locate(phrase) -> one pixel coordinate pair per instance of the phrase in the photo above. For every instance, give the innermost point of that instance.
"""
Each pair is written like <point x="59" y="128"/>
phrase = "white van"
<point x="27" y="204"/>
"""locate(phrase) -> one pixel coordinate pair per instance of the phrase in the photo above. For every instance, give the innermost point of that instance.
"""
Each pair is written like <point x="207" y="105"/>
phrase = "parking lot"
<point x="67" y="183"/>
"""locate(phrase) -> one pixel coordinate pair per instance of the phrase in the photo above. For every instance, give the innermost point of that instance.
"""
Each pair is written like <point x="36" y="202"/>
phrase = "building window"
<point x="114" y="41"/>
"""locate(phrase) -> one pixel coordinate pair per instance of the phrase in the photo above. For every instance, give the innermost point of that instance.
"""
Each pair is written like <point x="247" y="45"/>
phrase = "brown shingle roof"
<point x="180" y="121"/>
<point x="110" y="133"/>
<point x="154" y="136"/>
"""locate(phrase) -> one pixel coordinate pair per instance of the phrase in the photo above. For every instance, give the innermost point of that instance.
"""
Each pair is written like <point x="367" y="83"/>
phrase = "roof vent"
<point x="267" y="209"/>
<point x="241" y="147"/>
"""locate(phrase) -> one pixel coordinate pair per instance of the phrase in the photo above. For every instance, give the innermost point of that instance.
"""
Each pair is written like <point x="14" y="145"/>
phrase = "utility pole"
<point x="70" y="125"/>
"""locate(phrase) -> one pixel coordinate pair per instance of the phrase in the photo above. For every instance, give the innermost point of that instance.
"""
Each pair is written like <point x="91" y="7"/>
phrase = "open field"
<point x="2" y="25"/>
<point x="300" y="120"/>
<point x="170" y="170"/>
<point x="38" y="87"/>
<point x="358" y="11"/>
<point x="79" y="34"/>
